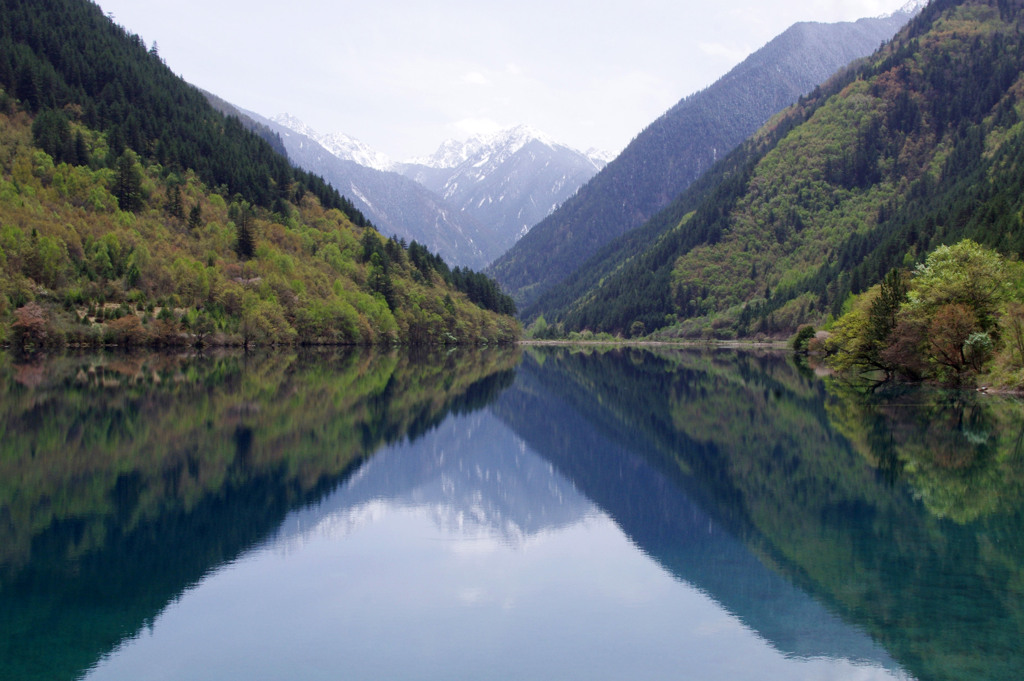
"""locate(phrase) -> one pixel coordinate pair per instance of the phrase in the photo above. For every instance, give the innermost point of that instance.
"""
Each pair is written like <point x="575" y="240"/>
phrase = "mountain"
<point x="506" y="182"/>
<point x="469" y="201"/>
<point x="676" y="149"/>
<point x="133" y="212"/>
<point x="339" y="144"/>
<point x="396" y="205"/>
<point x="917" y="146"/>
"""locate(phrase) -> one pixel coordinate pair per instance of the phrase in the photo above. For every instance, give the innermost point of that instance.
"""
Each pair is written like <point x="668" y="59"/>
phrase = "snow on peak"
<point x="453" y="153"/>
<point x="339" y="144"/>
<point x="912" y="7"/>
<point x="600" y="155"/>
<point x="343" y="146"/>
<point x="294" y="124"/>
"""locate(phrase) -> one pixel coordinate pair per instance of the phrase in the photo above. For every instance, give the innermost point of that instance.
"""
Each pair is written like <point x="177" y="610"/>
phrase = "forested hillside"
<point x="680" y="146"/>
<point x="919" y="145"/>
<point x="132" y="212"/>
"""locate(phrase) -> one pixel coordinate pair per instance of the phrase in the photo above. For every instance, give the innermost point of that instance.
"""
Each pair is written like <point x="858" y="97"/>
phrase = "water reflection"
<point x="125" y="479"/>
<point x="465" y="553"/>
<point x="753" y="440"/>
<point x="472" y="477"/>
<point x="566" y="514"/>
<point x="961" y="451"/>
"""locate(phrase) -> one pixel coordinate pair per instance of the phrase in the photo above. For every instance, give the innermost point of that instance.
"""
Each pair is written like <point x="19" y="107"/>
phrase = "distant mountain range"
<point x="473" y="200"/>
<point x="396" y="205"/>
<point x="676" y="149"/>
<point x="469" y="201"/>
<point x="507" y="181"/>
<point x="338" y="144"/>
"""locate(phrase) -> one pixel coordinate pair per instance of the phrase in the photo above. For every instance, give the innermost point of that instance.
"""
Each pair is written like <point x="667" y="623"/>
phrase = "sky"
<point x="402" y="76"/>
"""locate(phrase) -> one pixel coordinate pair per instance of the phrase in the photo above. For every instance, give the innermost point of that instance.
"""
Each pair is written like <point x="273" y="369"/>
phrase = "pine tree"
<point x="174" y="205"/>
<point x="195" y="216"/>
<point x="128" y="182"/>
<point x="245" y="242"/>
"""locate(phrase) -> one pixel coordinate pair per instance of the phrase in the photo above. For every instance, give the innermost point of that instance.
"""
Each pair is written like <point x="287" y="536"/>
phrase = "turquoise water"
<point x="502" y="515"/>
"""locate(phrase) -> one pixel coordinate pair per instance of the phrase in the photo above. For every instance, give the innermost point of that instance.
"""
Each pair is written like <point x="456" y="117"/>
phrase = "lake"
<point x="538" y="513"/>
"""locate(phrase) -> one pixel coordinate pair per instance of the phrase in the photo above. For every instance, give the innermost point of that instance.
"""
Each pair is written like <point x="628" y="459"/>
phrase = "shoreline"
<point x="706" y="344"/>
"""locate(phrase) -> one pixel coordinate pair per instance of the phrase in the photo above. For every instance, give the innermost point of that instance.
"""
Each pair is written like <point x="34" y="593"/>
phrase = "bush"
<point x="802" y="339"/>
<point x="31" y="327"/>
<point x="127" y="331"/>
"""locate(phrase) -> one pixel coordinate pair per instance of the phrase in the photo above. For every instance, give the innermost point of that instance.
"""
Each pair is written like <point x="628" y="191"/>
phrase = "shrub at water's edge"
<point x="958" y="318"/>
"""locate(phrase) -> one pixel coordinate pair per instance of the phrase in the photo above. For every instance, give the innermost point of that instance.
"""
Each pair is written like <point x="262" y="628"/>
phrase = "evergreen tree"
<point x="174" y="205"/>
<point x="379" y="279"/>
<point x="245" y="240"/>
<point x="128" y="182"/>
<point x="195" y="216"/>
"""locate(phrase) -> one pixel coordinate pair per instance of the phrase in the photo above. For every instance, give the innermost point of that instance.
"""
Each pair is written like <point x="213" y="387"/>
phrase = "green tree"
<point x="378" y="279"/>
<point x="174" y="205"/>
<point x="802" y="338"/>
<point x="965" y="273"/>
<point x="128" y="182"/>
<point x="884" y="310"/>
<point x="245" y="241"/>
<point x="195" y="216"/>
<point x="52" y="133"/>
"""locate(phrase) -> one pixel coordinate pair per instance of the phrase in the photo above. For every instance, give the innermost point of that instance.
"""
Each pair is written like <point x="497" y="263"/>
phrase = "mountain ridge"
<point x="917" y="146"/>
<point x="506" y="181"/>
<point x="339" y="144"/>
<point x="454" y="152"/>
<point x="674" y="150"/>
<point x="474" y="197"/>
<point x="395" y="204"/>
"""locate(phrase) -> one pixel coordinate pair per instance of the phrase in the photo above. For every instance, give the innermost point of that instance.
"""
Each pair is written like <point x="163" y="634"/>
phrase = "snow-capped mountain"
<point x="339" y="144"/>
<point x="394" y="204"/>
<point x="453" y="153"/>
<point x="490" y="188"/>
<point x="507" y="181"/>
<point x="600" y="155"/>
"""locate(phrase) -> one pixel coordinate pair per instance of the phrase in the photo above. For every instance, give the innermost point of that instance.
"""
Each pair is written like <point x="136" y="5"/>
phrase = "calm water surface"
<point x="546" y="514"/>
